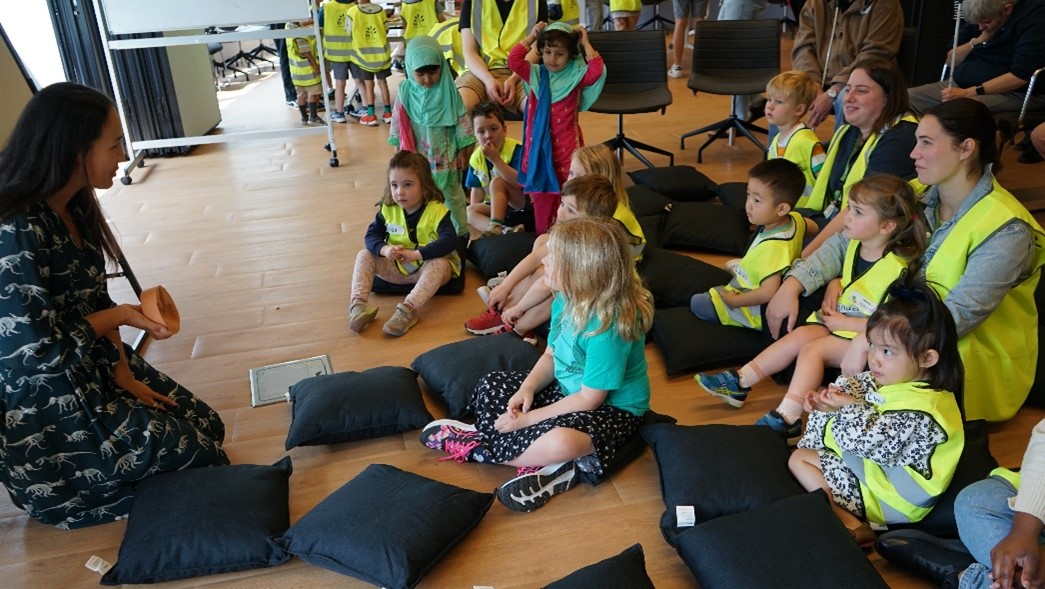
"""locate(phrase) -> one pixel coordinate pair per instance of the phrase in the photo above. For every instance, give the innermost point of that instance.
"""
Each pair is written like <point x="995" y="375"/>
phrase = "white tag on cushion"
<point x="98" y="565"/>
<point x="685" y="516"/>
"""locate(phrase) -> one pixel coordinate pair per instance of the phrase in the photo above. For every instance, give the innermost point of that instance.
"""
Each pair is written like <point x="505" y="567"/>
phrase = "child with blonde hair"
<point x="410" y="241"/>
<point x="788" y="98"/>
<point x="883" y="234"/>
<point x="585" y="397"/>
<point x="599" y="159"/>
<point x="885" y="444"/>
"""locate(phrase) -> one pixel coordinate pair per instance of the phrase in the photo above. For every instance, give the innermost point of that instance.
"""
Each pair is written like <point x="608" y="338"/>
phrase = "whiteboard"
<point x="148" y="16"/>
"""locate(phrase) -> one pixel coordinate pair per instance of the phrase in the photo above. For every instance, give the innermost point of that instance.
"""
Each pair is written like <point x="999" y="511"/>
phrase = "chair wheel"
<point x="333" y="162"/>
<point x="126" y="180"/>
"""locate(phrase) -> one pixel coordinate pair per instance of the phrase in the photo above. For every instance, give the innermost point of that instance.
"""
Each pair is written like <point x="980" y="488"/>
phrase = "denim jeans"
<point x="984" y="519"/>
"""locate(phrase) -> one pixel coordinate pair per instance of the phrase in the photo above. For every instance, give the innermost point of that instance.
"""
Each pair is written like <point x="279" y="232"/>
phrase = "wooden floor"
<point x="256" y="240"/>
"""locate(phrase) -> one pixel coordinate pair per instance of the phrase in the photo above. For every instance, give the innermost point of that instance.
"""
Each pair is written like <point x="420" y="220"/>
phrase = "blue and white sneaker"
<point x="724" y="385"/>
<point x="530" y="490"/>
<point x="791" y="432"/>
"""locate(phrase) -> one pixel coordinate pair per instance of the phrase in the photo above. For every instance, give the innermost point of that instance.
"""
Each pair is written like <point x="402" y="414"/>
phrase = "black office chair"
<point x="658" y="21"/>
<point x="636" y="82"/>
<point x="733" y="57"/>
<point x="222" y="65"/>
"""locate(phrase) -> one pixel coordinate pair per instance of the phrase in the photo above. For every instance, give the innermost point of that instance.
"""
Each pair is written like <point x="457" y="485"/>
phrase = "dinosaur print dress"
<point x="72" y="442"/>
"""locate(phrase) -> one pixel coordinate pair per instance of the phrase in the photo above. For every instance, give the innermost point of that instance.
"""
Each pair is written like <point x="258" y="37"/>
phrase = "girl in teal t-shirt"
<point x="585" y="397"/>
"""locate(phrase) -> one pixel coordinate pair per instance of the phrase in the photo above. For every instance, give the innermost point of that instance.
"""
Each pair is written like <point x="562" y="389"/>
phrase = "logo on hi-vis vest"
<point x="419" y="22"/>
<point x="371" y="32"/>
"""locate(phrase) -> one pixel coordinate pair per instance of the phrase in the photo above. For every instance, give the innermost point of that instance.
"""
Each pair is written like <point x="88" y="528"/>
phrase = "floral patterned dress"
<point x="72" y="442"/>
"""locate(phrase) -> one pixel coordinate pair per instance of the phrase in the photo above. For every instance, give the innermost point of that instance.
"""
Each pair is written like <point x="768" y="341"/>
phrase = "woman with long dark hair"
<point x="84" y="417"/>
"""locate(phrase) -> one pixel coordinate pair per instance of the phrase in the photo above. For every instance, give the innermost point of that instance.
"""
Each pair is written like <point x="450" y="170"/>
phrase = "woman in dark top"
<point x="877" y="138"/>
<point x="84" y="417"/>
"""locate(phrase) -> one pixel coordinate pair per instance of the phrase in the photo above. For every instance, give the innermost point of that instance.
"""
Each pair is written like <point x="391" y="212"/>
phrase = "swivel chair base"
<point x="722" y="129"/>
<point x="621" y="142"/>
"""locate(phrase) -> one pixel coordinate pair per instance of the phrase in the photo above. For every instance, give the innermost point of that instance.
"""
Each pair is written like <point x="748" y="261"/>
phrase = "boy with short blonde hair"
<point x="789" y="96"/>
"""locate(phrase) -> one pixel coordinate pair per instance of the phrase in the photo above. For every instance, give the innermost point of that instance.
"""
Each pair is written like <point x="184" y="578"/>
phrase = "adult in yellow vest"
<point x="983" y="257"/>
<point x="489" y="30"/>
<point x="877" y="138"/>
<point x="448" y="34"/>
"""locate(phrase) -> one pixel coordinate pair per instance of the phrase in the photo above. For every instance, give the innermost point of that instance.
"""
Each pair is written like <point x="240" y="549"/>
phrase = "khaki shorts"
<point x="470" y="81"/>
<point x="309" y="91"/>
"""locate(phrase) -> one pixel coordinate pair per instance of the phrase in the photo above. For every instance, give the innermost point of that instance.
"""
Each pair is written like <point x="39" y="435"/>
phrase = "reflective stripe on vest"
<point x="370" y="48"/>
<point x="301" y="71"/>
<point x="799" y="149"/>
<point x="337" y="43"/>
<point x="769" y="256"/>
<point x="418" y="17"/>
<point x="427" y="231"/>
<point x="448" y="34"/>
<point x="496" y="38"/>
<point x="819" y="199"/>
<point x="861" y="294"/>
<point x="1001" y="353"/>
<point x="905" y="494"/>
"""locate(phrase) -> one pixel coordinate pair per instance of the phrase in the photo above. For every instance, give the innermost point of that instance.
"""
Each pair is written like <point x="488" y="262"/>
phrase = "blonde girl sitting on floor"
<point x="410" y="241"/>
<point x="585" y="397"/>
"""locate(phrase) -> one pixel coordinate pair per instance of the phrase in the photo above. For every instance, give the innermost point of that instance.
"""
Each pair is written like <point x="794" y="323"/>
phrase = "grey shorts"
<point x="358" y="73"/>
<point x="690" y="8"/>
<point x="339" y="69"/>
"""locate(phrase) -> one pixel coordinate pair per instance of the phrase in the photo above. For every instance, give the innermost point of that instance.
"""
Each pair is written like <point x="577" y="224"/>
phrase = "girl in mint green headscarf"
<point x="429" y="118"/>
<point x="562" y="84"/>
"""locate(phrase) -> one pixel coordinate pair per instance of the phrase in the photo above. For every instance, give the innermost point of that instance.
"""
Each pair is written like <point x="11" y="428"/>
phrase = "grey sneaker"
<point x="493" y="230"/>
<point x="360" y="315"/>
<point x="401" y="322"/>
<point x="317" y="120"/>
<point x="531" y="490"/>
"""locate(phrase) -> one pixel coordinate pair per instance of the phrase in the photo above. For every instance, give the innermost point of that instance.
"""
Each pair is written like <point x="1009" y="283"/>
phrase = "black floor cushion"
<point x="674" y="278"/>
<point x="689" y="344"/>
<point x="707" y="226"/>
<point x="679" y="183"/>
<point x="625" y="570"/>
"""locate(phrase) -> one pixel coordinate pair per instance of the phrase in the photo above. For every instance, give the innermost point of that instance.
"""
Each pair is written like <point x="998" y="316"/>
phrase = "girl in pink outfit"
<point x="559" y="86"/>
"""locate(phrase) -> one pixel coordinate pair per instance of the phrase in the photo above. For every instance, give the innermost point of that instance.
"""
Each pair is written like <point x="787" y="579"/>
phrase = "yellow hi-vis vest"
<point x="861" y="294"/>
<point x="906" y="494"/>
<point x="636" y="238"/>
<point x="799" y="150"/>
<point x="337" y="43"/>
<point x="819" y="199"/>
<point x="418" y="17"/>
<point x="625" y="6"/>
<point x="426" y="232"/>
<point x="495" y="37"/>
<point x="301" y="72"/>
<point x="1000" y="354"/>
<point x="448" y="34"/>
<point x="772" y="255"/>
<point x="482" y="169"/>
<point x="571" y="12"/>
<point x="370" y="48"/>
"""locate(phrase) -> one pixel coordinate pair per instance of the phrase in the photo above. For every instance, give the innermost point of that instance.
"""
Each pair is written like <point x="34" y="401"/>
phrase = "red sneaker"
<point x="489" y="322"/>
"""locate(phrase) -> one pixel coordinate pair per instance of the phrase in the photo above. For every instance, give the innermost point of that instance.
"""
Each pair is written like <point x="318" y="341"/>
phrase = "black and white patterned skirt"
<point x="609" y="427"/>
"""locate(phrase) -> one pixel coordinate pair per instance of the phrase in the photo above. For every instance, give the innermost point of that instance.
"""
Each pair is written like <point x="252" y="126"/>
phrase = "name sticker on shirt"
<point x="741" y="274"/>
<point x="863" y="304"/>
<point x="686" y="516"/>
<point x="394" y="229"/>
<point x="874" y="398"/>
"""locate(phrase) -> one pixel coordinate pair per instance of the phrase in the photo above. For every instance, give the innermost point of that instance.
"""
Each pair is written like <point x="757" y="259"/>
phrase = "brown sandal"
<point x="863" y="535"/>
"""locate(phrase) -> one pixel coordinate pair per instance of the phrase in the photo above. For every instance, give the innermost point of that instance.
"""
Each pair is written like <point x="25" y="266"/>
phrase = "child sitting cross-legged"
<point x="773" y="187"/>
<point x="883" y="234"/>
<point x="885" y="444"/>
<point x="493" y="172"/>
<point x="411" y="241"/>
<point x="585" y="397"/>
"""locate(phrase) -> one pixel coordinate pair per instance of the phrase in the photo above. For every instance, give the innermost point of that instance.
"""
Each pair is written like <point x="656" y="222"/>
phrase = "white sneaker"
<point x="484" y="294"/>
<point x="529" y="492"/>
<point x="676" y="71"/>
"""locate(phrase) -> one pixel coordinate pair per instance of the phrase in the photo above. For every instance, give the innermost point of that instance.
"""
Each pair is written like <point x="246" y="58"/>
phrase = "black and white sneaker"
<point x="529" y="492"/>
